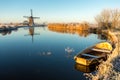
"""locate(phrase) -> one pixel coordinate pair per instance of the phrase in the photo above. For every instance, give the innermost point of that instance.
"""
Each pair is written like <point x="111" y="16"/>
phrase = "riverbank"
<point x="82" y="29"/>
<point x="110" y="69"/>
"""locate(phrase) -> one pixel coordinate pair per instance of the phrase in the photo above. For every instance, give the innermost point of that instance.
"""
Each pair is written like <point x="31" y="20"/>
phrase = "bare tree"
<point x="115" y="18"/>
<point x="108" y="18"/>
<point x="98" y="19"/>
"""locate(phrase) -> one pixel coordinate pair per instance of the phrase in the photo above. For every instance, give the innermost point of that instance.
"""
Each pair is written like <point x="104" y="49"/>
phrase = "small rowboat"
<point x="94" y="54"/>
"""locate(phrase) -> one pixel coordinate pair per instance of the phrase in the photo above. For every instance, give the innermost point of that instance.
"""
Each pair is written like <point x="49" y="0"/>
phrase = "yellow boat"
<point x="94" y="54"/>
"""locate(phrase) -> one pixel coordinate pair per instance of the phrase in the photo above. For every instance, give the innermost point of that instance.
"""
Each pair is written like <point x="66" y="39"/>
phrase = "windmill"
<point x="31" y="18"/>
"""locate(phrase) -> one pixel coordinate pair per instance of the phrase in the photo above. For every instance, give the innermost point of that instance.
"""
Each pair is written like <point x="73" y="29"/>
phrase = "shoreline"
<point x="109" y="69"/>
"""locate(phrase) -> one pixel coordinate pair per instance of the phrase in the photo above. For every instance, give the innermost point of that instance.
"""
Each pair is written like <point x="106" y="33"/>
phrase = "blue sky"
<point x="54" y="10"/>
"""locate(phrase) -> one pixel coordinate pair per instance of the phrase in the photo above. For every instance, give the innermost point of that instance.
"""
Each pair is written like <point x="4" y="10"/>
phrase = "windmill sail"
<point x="31" y="13"/>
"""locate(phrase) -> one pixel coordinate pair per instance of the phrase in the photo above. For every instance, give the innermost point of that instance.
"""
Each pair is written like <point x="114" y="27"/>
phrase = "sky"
<point x="54" y="10"/>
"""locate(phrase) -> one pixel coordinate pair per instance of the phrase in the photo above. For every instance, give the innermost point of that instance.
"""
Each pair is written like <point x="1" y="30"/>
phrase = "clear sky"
<point x="54" y="10"/>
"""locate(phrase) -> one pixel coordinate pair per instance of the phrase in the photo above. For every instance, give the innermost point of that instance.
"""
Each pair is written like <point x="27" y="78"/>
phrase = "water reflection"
<point x="32" y="33"/>
<point x="5" y="32"/>
<point x="102" y="37"/>
<point x="69" y="52"/>
<point x="45" y="53"/>
<point x="85" y="69"/>
<point x="81" y="33"/>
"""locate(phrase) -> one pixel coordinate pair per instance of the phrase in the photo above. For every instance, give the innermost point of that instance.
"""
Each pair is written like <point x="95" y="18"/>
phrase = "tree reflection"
<point x="5" y="32"/>
<point x="82" y="30"/>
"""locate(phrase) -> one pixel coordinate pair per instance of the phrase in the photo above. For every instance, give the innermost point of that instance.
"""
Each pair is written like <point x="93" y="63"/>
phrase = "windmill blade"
<point x="31" y="12"/>
<point x="33" y="34"/>
<point x="26" y="16"/>
<point x="36" y="17"/>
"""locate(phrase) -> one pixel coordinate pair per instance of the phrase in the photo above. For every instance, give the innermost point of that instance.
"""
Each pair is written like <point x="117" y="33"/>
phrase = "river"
<point x="40" y="54"/>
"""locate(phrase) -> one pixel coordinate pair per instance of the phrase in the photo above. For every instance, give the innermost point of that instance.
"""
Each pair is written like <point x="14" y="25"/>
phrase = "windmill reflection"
<point x="32" y="33"/>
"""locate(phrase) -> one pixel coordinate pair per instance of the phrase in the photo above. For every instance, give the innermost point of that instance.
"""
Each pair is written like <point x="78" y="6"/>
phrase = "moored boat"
<point x="94" y="54"/>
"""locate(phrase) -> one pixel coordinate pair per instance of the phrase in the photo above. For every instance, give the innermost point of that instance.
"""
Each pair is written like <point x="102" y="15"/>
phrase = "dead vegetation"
<point x="108" y="18"/>
<point x="81" y="29"/>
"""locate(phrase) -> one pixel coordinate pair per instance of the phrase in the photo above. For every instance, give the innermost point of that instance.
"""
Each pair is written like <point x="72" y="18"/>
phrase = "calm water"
<point x="42" y="56"/>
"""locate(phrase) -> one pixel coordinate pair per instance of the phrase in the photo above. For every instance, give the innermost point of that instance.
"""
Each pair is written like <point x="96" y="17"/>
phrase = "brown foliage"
<point x="109" y="18"/>
<point x="79" y="28"/>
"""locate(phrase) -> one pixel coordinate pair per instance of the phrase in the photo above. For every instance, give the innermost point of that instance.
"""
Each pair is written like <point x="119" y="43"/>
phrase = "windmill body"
<point x="31" y="19"/>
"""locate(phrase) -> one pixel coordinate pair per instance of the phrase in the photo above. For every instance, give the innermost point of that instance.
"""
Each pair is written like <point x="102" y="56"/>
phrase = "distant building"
<point x="25" y="22"/>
